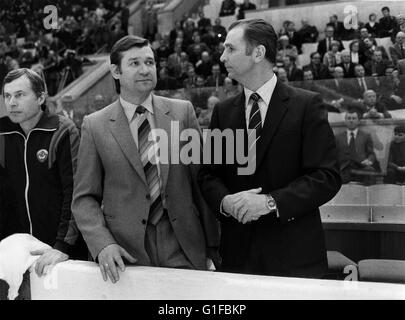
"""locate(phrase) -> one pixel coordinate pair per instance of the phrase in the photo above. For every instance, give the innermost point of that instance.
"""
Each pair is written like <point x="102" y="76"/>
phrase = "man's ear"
<point x="115" y="71"/>
<point x="260" y="53"/>
<point x="41" y="98"/>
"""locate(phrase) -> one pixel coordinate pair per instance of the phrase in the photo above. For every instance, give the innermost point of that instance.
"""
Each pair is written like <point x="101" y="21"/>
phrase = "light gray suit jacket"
<point x="110" y="201"/>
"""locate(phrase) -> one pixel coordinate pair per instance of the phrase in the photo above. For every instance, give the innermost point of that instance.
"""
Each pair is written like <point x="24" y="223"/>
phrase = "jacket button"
<point x="144" y="221"/>
<point x="148" y="196"/>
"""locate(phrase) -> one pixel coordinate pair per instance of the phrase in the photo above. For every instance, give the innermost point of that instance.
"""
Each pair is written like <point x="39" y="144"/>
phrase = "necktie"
<point x="148" y="157"/>
<point x="364" y="84"/>
<point x="255" y="121"/>
<point x="352" y="145"/>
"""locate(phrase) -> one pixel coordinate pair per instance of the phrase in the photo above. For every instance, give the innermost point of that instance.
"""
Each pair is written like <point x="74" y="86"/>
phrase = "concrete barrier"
<point x="82" y="280"/>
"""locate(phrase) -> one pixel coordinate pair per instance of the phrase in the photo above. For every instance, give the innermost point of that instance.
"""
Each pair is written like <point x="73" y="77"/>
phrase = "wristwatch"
<point x="271" y="203"/>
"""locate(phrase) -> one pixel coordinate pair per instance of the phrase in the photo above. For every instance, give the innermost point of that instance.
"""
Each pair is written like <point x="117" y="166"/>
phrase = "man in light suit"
<point x="127" y="203"/>
<point x="270" y="219"/>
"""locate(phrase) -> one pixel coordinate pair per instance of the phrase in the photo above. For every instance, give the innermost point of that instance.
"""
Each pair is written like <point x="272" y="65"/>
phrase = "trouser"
<point x="24" y="293"/>
<point x="163" y="247"/>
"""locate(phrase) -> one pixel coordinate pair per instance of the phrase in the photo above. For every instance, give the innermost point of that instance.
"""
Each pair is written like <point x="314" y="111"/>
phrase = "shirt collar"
<point x="354" y="132"/>
<point x="130" y="108"/>
<point x="265" y="91"/>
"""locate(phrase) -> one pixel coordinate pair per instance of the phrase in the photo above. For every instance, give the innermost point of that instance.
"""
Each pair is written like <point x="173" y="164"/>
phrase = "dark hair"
<point x="371" y="14"/>
<point x="314" y="53"/>
<point x="385" y="8"/>
<point x="37" y="83"/>
<point x="352" y="109"/>
<point x="123" y="45"/>
<point x="258" y="32"/>
<point x="352" y="43"/>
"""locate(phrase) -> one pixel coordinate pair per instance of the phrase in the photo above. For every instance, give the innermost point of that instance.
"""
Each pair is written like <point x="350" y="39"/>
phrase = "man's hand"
<point x="109" y="257"/>
<point x="246" y="206"/>
<point x="49" y="257"/>
<point x="367" y="162"/>
<point x="210" y="265"/>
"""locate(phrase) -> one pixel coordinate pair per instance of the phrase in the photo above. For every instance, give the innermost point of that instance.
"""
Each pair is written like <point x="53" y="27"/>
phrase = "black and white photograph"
<point x="202" y="154"/>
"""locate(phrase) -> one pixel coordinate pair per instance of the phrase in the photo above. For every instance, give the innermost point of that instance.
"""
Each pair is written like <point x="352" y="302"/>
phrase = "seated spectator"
<point x="166" y="82"/>
<point x="308" y="33"/>
<point x="374" y="109"/>
<point x="285" y="48"/>
<point x="190" y="79"/>
<point x="332" y="58"/>
<point x="396" y="157"/>
<point x="209" y="37"/>
<point x="400" y="23"/>
<point x="318" y="69"/>
<point x="339" y="29"/>
<point x="370" y="47"/>
<point x="230" y="90"/>
<point x="204" y="65"/>
<point x="174" y="33"/>
<point x="294" y="37"/>
<point x="393" y="90"/>
<point x="346" y="64"/>
<point x="204" y="118"/>
<point x="174" y="61"/>
<point x="363" y="35"/>
<point x="388" y="24"/>
<point x="199" y="95"/>
<point x="355" y="150"/>
<point x="356" y="56"/>
<point x="203" y="23"/>
<point x="219" y="30"/>
<point x="360" y="84"/>
<point x="377" y="66"/>
<point x="246" y="5"/>
<point x="293" y="72"/>
<point x="216" y="79"/>
<point x="397" y="51"/>
<point x="325" y="44"/>
<point x="196" y="48"/>
<point x="227" y="8"/>
<point x="372" y="26"/>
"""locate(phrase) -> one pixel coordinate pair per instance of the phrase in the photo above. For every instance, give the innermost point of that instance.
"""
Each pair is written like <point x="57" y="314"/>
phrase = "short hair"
<point x="37" y="83"/>
<point x="371" y="14"/>
<point x="352" y="109"/>
<point x="399" y="128"/>
<point x="123" y="45"/>
<point x="352" y="43"/>
<point x="259" y="32"/>
<point x="314" y="53"/>
<point x="385" y="8"/>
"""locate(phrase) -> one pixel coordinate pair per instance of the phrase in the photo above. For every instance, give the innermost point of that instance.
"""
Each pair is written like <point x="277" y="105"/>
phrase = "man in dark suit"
<point x="356" y="150"/>
<point x="337" y="25"/>
<point x="270" y="217"/>
<point x="360" y="84"/>
<point x="377" y="66"/>
<point x="346" y="64"/>
<point x="293" y="72"/>
<point x="319" y="70"/>
<point x="324" y="45"/>
<point x="397" y="51"/>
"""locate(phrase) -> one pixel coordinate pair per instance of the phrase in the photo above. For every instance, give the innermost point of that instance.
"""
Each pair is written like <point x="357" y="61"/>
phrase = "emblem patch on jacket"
<point x="42" y="155"/>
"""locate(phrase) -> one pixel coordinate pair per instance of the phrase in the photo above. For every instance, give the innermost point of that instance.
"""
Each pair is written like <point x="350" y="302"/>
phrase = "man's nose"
<point x="12" y="101"/>
<point x="223" y="57"/>
<point x="144" y="69"/>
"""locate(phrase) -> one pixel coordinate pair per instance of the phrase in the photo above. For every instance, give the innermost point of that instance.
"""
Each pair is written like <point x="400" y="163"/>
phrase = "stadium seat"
<point x="351" y="194"/>
<point x="345" y="213"/>
<point x="337" y="262"/>
<point x="385" y="195"/>
<point x="388" y="214"/>
<point x="376" y="270"/>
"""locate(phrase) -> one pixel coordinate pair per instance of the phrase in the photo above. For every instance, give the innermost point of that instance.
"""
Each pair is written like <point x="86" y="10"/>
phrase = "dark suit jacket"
<point x="348" y="73"/>
<point x="396" y="53"/>
<point x="295" y="74"/>
<point x="355" y="91"/>
<point x="297" y="164"/>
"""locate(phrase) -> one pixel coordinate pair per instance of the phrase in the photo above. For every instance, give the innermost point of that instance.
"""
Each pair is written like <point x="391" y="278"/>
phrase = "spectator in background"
<point x="355" y="149"/>
<point x="203" y="66"/>
<point x="203" y="23"/>
<point x="318" y="69"/>
<point x="230" y="89"/>
<point x="396" y="157"/>
<point x="285" y="48"/>
<point x="388" y="24"/>
<point x="360" y="84"/>
<point x="356" y="57"/>
<point x="377" y="66"/>
<point x="372" y="26"/>
<point x="190" y="79"/>
<point x="124" y="16"/>
<point x="400" y="23"/>
<point x="195" y="49"/>
<point x="174" y="33"/>
<point x="282" y="75"/>
<point x="397" y="51"/>
<point x="373" y="109"/>
<point x="371" y="46"/>
<point x="393" y="90"/>
<point x="216" y="79"/>
<point x="338" y="27"/>
<point x="219" y="30"/>
<point x="246" y="5"/>
<point x="294" y="36"/>
<point x="166" y="82"/>
<point x="293" y="72"/>
<point x="346" y="64"/>
<point x="174" y="60"/>
<point x="205" y="114"/>
<point x="149" y="20"/>
<point x="308" y="33"/>
<point x="199" y="95"/>
<point x="228" y="8"/>
<point x="332" y="57"/>
<point x="325" y="44"/>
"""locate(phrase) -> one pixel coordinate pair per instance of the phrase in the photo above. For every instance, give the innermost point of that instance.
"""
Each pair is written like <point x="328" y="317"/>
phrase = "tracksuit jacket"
<point x="38" y="170"/>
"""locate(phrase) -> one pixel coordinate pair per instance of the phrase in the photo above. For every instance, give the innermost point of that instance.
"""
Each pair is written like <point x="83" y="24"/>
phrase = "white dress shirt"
<point x="349" y="135"/>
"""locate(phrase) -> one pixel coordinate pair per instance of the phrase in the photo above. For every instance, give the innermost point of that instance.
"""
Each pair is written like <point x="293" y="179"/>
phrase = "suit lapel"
<point x="163" y="122"/>
<point x="275" y="113"/>
<point x="119" y="128"/>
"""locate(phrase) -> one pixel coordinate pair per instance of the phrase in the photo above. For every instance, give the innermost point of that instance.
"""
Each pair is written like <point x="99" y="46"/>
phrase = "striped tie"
<point x="148" y="153"/>
<point x="255" y="119"/>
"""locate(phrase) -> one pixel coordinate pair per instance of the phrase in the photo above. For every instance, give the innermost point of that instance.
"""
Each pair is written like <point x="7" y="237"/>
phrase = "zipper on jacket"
<point x="27" y="177"/>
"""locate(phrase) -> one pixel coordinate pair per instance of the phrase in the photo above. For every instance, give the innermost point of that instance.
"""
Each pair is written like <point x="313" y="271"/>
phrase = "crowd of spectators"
<point x="83" y="27"/>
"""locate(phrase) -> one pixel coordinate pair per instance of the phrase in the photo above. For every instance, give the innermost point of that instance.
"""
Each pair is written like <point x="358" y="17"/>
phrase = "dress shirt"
<point x="349" y="135"/>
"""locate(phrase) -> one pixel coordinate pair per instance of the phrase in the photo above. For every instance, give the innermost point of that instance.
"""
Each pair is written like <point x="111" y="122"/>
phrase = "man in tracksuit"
<point x="38" y="158"/>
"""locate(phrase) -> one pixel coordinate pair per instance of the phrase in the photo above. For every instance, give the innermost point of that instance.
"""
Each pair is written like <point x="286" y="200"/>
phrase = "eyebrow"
<point x="227" y="45"/>
<point x="18" y="91"/>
